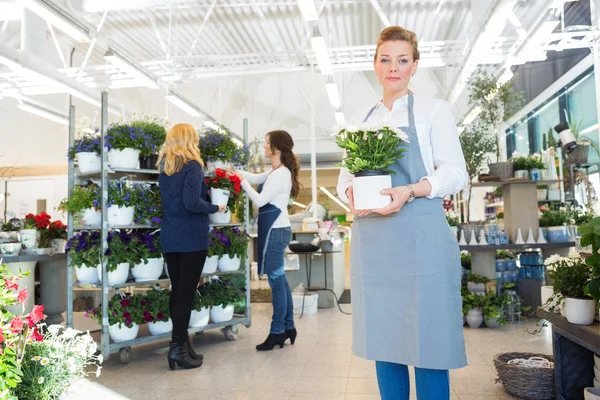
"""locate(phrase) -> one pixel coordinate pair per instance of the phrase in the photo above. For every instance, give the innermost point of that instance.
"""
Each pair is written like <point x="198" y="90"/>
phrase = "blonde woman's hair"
<point x="181" y="147"/>
<point x="398" y="33"/>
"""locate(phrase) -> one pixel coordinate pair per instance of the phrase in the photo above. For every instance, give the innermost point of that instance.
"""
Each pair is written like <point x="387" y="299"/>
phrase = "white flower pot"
<point x="220" y="218"/>
<point x="120" y="215"/>
<point x="200" y="318"/>
<point x="10" y="249"/>
<point x="476" y="287"/>
<point x="116" y="277"/>
<point x="474" y="318"/>
<point x="492" y="322"/>
<point x="87" y="274"/>
<point x="554" y="194"/>
<point x="148" y="272"/>
<point x="58" y="245"/>
<point x="210" y="265"/>
<point x="221" y="164"/>
<point x="126" y="158"/>
<point x="123" y="333"/>
<point x="591" y="393"/>
<point x="522" y="174"/>
<point x="160" y="327"/>
<point x="29" y="238"/>
<point x="367" y="191"/>
<point x="88" y="162"/>
<point x="221" y="314"/>
<point x="91" y="217"/>
<point x="219" y="197"/>
<point x="580" y="311"/>
<point x="227" y="264"/>
<point x="542" y="194"/>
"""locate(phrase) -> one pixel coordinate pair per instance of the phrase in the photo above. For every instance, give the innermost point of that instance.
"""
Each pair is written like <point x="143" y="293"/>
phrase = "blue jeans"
<point x="283" y="305"/>
<point x="394" y="383"/>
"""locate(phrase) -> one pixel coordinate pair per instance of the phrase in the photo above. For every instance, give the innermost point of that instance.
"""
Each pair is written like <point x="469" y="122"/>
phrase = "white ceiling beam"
<point x="384" y="19"/>
<point x="163" y="46"/>
<point x="201" y="28"/>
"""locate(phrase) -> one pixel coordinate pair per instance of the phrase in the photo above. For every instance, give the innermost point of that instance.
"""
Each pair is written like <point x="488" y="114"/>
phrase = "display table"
<point x="574" y="347"/>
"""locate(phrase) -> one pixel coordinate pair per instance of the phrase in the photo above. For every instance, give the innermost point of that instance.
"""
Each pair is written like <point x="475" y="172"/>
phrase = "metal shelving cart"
<point x="140" y="175"/>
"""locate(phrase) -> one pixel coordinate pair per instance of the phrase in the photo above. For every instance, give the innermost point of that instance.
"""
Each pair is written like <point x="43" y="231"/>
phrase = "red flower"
<point x="11" y="285"/>
<point x="58" y="225"/>
<point x="22" y="296"/>
<point x="36" y="335"/>
<point x="125" y="303"/>
<point x="1" y="338"/>
<point x="16" y="325"/>
<point x="220" y="173"/>
<point x="36" y="315"/>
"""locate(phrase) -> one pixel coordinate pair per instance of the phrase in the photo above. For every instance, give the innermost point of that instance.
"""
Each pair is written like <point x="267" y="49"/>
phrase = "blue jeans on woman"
<point x="283" y="305"/>
<point x="394" y="382"/>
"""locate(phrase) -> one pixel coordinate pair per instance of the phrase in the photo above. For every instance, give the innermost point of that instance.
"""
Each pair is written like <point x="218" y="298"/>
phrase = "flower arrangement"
<point x="55" y="230"/>
<point x="122" y="136"/>
<point x="230" y="241"/>
<point x="120" y="194"/>
<point x="219" y="145"/>
<point x="38" y="221"/>
<point x="579" y="217"/>
<point x="13" y="225"/>
<point x="222" y="292"/>
<point x="146" y="246"/>
<point x="155" y="305"/>
<point x="570" y="275"/>
<point x="86" y="144"/>
<point x="50" y="366"/>
<point x="84" y="248"/>
<point x="148" y="204"/>
<point x="371" y="148"/>
<point x="123" y="309"/>
<point x="201" y="300"/>
<point x="452" y="218"/>
<point x="549" y="218"/>
<point x="82" y="198"/>
<point x="119" y="250"/>
<point x="231" y="183"/>
<point x="153" y="128"/>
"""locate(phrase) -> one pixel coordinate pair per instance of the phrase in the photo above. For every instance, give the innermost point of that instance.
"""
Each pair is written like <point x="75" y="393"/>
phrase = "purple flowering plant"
<point x="148" y="204"/>
<point x="123" y="309"/>
<point x="218" y="145"/>
<point x="146" y="245"/>
<point x="156" y="305"/>
<point x="221" y="292"/>
<point x="124" y="135"/>
<point x="120" y="194"/>
<point x="119" y="250"/>
<point x="84" y="248"/>
<point x="86" y="144"/>
<point x="227" y="240"/>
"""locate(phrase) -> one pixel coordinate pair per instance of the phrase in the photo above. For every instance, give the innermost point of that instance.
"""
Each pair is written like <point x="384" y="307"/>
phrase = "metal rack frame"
<point x="105" y="173"/>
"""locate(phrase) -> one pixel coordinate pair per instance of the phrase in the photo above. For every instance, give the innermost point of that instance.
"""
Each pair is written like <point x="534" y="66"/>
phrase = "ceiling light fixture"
<point x="334" y="198"/>
<point x="339" y="118"/>
<point x="308" y="10"/>
<point x="298" y="204"/>
<point x="59" y="20"/>
<point x="332" y="92"/>
<point x="321" y="54"/>
<point x="118" y="60"/>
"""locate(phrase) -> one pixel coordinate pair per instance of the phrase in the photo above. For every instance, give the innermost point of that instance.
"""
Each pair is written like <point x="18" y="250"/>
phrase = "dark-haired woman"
<point x="274" y="230"/>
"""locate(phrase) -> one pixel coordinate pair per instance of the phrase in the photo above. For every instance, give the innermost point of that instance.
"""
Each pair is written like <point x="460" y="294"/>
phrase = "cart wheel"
<point x="125" y="355"/>
<point x="230" y="332"/>
<point x="248" y="325"/>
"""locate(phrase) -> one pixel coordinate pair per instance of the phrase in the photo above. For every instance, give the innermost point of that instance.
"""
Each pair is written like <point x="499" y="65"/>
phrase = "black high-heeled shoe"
<point x="180" y="355"/>
<point x="193" y="354"/>
<point x="291" y="334"/>
<point x="272" y="341"/>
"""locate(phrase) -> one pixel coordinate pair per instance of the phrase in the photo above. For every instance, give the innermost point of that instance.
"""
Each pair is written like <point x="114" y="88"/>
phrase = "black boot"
<point x="272" y="341"/>
<point x="193" y="354"/>
<point x="291" y="334"/>
<point x="180" y="354"/>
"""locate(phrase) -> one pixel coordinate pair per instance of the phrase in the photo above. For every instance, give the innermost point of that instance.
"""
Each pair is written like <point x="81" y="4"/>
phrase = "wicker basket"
<point x="525" y="382"/>
<point x="503" y="170"/>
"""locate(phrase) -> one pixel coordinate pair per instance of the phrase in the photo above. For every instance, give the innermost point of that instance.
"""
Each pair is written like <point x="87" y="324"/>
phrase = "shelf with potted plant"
<point x="220" y="149"/>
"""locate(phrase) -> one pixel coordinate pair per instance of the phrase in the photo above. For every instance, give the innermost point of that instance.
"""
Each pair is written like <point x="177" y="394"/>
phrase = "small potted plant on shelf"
<point x="124" y="142"/>
<point x="579" y="218"/>
<point x="542" y="192"/>
<point x="84" y="252"/>
<point x="521" y="165"/>
<point x="505" y="261"/>
<point x="119" y="257"/>
<point x="150" y="262"/>
<point x="156" y="311"/>
<point x="200" y="309"/>
<point x="223" y="295"/>
<point x="493" y="310"/>
<point x="473" y="304"/>
<point x="368" y="154"/>
<point x="476" y="283"/>
<point x="152" y="126"/>
<point x="224" y="189"/>
<point x="55" y="236"/>
<point x="535" y="166"/>
<point x="570" y="277"/>
<point x="87" y="150"/>
<point x="235" y="247"/>
<point x="125" y="314"/>
<point x="555" y="223"/>
<point x="121" y="203"/>
<point x="84" y="203"/>
<point x="148" y="205"/>
<point x="31" y="232"/>
<point x="220" y="150"/>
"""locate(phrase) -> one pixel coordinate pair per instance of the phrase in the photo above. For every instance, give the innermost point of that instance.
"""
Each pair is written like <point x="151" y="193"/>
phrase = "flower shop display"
<point x="554" y="221"/>
<point x="125" y="314"/>
<point x="493" y="310"/>
<point x="369" y="151"/>
<point x="215" y="249"/>
<point x="472" y="309"/>
<point x="570" y="277"/>
<point x="230" y="244"/>
<point x="84" y="203"/>
<point x="156" y="313"/>
<point x="328" y="235"/>
<point x="119" y="257"/>
<point x="153" y="128"/>
<point x="224" y="190"/>
<point x="121" y="203"/>
<point x="84" y="252"/>
<point x="124" y="142"/>
<point x="51" y="365"/>
<point x="223" y="295"/>
<point x="30" y="236"/>
<point x="590" y="236"/>
<point x="87" y="152"/>
<point x="150" y="262"/>
<point x="55" y="235"/>
<point x="220" y="150"/>
<point x="148" y="205"/>
<point x="200" y="309"/>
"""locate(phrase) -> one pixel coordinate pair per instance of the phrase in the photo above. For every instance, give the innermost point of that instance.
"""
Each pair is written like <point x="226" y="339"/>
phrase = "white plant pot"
<point x="200" y="318"/>
<point x="219" y="197"/>
<point x="367" y="191"/>
<point x="476" y="287"/>
<point x="116" y="277"/>
<point x="91" y="217"/>
<point x="227" y="264"/>
<point x="123" y="334"/>
<point x="148" y="272"/>
<point x="120" y="215"/>
<point x="125" y="159"/>
<point x="220" y="218"/>
<point x="580" y="311"/>
<point x="10" y="249"/>
<point x="160" y="327"/>
<point x="88" y="162"/>
<point x="221" y="164"/>
<point x="591" y="393"/>
<point x="221" y="314"/>
<point x="58" y="245"/>
<point x="554" y="194"/>
<point x="542" y="194"/>
<point x="522" y="174"/>
<point x="474" y="318"/>
<point x="29" y="238"/>
<point x="210" y="265"/>
<point x="87" y="274"/>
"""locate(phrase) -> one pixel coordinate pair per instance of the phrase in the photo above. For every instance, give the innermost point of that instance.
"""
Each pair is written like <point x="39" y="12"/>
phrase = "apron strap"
<point x="411" y="114"/>
<point x="371" y="112"/>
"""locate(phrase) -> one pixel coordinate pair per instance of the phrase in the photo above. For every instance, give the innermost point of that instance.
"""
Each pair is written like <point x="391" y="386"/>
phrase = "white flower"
<point x="574" y="254"/>
<point x="515" y="154"/>
<point x="70" y="361"/>
<point x="36" y="358"/>
<point x="380" y="136"/>
<point x="552" y="260"/>
<point x="352" y="128"/>
<point x="100" y="359"/>
<point x="54" y="329"/>
<point x="44" y="361"/>
<point x="40" y="380"/>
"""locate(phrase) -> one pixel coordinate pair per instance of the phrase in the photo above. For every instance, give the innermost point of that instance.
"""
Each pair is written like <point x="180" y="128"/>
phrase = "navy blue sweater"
<point x="184" y="194"/>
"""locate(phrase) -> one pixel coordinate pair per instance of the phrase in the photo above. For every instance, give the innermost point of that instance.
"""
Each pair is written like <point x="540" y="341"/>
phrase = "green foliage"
<point x="120" y="194"/>
<point x="219" y="145"/>
<point x="82" y="198"/>
<point x="476" y="142"/>
<point x="370" y="150"/>
<point x="579" y="217"/>
<point x="477" y="278"/>
<point x="465" y="260"/>
<point x="590" y="236"/>
<point x="84" y="248"/>
<point x="120" y="250"/>
<point x="551" y="218"/>
<point x="227" y="240"/>
<point x="504" y="255"/>
<point x="200" y="301"/>
<point x="156" y="305"/>
<point x="493" y="307"/>
<point x="222" y="292"/>
<point x="86" y="144"/>
<point x="570" y="275"/>
<point x="122" y="136"/>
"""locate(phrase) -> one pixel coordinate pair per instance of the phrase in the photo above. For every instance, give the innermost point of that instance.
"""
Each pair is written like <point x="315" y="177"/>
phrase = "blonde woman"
<point x="406" y="303"/>
<point x="184" y="232"/>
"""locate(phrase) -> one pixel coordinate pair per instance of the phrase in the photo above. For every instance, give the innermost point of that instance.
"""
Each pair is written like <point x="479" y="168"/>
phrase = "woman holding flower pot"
<point x="274" y="229"/>
<point x="184" y="232"/>
<point x="405" y="260"/>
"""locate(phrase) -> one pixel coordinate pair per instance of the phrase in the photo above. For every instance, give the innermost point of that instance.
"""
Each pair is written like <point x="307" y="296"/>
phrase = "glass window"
<point x="521" y="139"/>
<point x="545" y="120"/>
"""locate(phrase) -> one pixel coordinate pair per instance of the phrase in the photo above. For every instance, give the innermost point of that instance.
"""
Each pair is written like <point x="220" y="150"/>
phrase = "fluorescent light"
<point x="328" y="193"/>
<point x="339" y="118"/>
<point x="321" y="54"/>
<point x="183" y="104"/>
<point x="42" y="112"/>
<point x="298" y="204"/>
<point x="334" y="95"/>
<point x="125" y="83"/>
<point x="131" y="68"/>
<point x="58" y="20"/>
<point x="211" y="125"/>
<point x="308" y="10"/>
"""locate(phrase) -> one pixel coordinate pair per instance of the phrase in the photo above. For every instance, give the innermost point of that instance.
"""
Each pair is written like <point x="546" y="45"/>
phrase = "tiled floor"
<point x="320" y="366"/>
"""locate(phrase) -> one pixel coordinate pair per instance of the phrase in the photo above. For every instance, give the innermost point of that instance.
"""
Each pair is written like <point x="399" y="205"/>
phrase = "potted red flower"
<point x="224" y="189"/>
<point x="30" y="235"/>
<point x="55" y="236"/>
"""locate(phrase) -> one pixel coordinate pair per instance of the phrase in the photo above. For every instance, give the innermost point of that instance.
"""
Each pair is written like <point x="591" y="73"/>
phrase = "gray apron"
<point x="406" y="276"/>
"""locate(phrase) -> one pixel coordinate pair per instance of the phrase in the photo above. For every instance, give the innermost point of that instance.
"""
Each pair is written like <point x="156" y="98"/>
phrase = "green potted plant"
<point x="235" y="247"/>
<point x="149" y="261"/>
<point x="55" y="236"/>
<point x="474" y="304"/>
<point x="87" y="150"/>
<point x="476" y="283"/>
<point x="125" y="314"/>
<point x="147" y="204"/>
<point x="124" y="142"/>
<point x="121" y="203"/>
<point x="153" y="127"/>
<point x="156" y="311"/>
<point x="368" y="155"/>
<point x="554" y="221"/>
<point x="223" y="295"/>
<point x="84" y="254"/>
<point x="200" y="309"/>
<point x="521" y="167"/>
<point x="84" y="203"/>
<point x="542" y="192"/>
<point x="493" y="310"/>
<point x="119" y="257"/>
<point x="220" y="150"/>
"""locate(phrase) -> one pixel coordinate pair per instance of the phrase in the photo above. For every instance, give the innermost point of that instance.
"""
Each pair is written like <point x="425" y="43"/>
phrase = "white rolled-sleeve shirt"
<point x="438" y="139"/>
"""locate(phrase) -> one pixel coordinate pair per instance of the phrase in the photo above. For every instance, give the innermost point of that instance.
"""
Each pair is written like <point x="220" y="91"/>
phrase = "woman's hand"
<point x="399" y="195"/>
<point x="350" y="195"/>
<point x="222" y="208"/>
<point x="232" y="171"/>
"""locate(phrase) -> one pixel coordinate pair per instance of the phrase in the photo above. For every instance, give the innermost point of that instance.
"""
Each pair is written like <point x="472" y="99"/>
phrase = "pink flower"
<point x="36" y="315"/>
<point x="10" y="285"/>
<point x="36" y="335"/>
<point x="22" y="296"/>
<point x="16" y="325"/>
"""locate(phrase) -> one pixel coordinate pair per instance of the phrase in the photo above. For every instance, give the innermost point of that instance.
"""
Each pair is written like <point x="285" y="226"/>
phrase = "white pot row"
<point x="117" y="215"/>
<point x="475" y="318"/>
<point x="141" y="272"/>
<point x="124" y="159"/>
<point x="216" y="314"/>
<point x="223" y="264"/>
